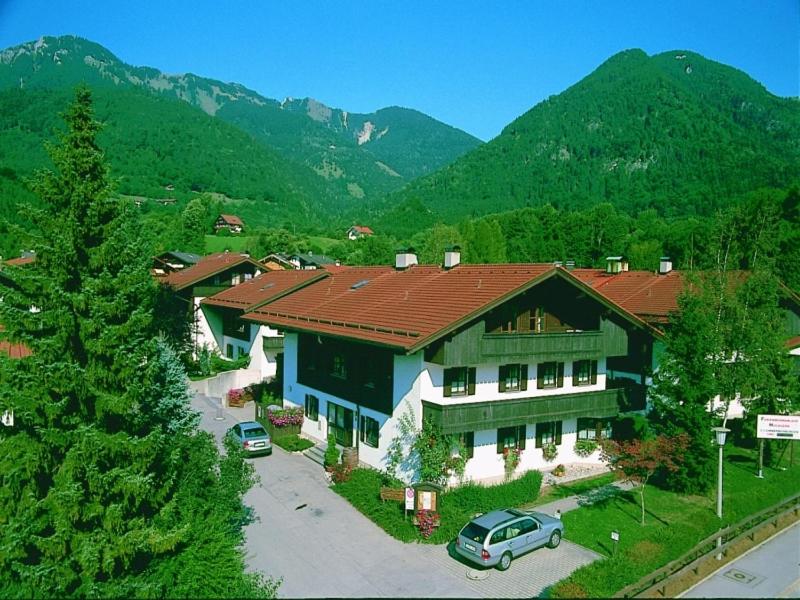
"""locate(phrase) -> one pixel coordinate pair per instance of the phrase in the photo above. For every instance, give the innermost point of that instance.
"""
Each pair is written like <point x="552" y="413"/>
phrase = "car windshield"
<point x="254" y="433"/>
<point x="474" y="532"/>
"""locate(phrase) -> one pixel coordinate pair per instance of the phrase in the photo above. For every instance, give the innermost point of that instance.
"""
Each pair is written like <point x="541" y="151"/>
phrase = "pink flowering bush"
<point x="285" y="417"/>
<point x="427" y="520"/>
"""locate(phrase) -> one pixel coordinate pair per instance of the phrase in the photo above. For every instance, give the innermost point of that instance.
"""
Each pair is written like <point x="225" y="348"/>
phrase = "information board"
<point x="778" y="427"/>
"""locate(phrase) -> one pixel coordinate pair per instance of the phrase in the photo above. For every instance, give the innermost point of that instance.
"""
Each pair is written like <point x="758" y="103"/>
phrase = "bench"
<point x="397" y="495"/>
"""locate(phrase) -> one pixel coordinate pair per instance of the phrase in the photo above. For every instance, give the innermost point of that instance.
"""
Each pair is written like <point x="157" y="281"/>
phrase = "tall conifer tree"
<point x="108" y="489"/>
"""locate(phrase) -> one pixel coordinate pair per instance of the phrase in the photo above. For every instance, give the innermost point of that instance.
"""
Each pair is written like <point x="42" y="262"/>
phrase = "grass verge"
<point x="456" y="507"/>
<point x="292" y="443"/>
<point x="673" y="524"/>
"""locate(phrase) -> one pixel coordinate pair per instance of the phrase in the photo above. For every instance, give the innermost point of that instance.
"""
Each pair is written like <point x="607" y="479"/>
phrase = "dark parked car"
<point x="253" y="437"/>
<point x="497" y="537"/>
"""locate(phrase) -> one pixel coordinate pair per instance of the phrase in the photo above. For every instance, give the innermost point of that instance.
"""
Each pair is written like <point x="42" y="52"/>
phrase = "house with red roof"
<point x="359" y="231"/>
<point x="507" y="357"/>
<point x="208" y="276"/>
<point x="230" y="222"/>
<point x="232" y="336"/>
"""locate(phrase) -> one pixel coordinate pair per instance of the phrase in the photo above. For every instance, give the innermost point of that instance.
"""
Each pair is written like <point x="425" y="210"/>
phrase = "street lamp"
<point x="720" y="433"/>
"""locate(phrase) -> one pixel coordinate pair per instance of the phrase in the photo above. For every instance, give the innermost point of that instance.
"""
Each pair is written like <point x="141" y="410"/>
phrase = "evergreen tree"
<point x="108" y="489"/>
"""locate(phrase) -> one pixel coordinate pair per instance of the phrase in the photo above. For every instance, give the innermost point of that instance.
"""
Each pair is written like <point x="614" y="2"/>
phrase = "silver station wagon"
<point x="498" y="537"/>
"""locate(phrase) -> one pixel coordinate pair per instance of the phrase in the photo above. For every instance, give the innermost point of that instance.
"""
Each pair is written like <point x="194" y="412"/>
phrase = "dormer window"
<point x="339" y="369"/>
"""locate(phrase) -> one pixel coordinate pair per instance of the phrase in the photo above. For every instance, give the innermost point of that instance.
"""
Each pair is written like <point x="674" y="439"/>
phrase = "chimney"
<point x="664" y="265"/>
<point x="404" y="258"/>
<point x="452" y="257"/>
<point x="616" y="264"/>
<point x="570" y="265"/>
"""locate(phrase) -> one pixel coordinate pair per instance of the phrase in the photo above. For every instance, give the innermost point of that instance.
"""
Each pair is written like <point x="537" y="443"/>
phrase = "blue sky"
<point x="473" y="64"/>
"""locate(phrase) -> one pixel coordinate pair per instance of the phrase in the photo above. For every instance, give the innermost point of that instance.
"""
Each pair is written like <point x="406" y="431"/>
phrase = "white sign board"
<point x="778" y="427"/>
<point x="409" y="498"/>
<point x="7" y="418"/>
<point x="427" y="500"/>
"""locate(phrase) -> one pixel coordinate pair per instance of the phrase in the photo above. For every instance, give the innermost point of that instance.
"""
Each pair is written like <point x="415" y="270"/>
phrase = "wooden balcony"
<point x="574" y="345"/>
<point x="492" y="414"/>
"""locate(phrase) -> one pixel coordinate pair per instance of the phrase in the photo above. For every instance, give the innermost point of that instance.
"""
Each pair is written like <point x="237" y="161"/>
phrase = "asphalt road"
<point x="322" y="547"/>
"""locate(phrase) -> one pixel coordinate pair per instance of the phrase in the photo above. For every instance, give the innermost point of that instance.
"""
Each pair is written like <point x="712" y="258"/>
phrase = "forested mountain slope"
<point x="675" y="132"/>
<point x="356" y="157"/>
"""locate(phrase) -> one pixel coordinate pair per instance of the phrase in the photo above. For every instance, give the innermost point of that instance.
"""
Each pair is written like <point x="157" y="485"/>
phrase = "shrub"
<point x="427" y="520"/>
<point x="341" y="473"/>
<point x="292" y="443"/>
<point x="560" y="471"/>
<point x="285" y="417"/>
<point x="331" y="453"/>
<point x="455" y="507"/>
<point x="585" y="447"/>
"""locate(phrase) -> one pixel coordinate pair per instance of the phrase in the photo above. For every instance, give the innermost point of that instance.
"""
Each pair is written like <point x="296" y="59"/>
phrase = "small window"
<point x="513" y="378"/>
<point x="537" y="320"/>
<point x="229" y="351"/>
<point x="594" y="429"/>
<point x="369" y="431"/>
<point x="467" y="439"/>
<point x="550" y="375"/>
<point x="339" y="368"/>
<point x="459" y="381"/>
<point x="240" y="352"/>
<point x="548" y="433"/>
<point x="584" y="372"/>
<point x="510" y="438"/>
<point x="312" y="407"/>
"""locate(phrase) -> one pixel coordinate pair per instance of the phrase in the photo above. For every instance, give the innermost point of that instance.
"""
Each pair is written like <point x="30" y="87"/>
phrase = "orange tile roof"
<point x="265" y="287"/>
<point x="363" y="229"/>
<point x="232" y="220"/>
<point x="405" y="309"/>
<point x="22" y="260"/>
<point x="793" y="342"/>
<point x="13" y="350"/>
<point x="206" y="267"/>
<point x="648" y="295"/>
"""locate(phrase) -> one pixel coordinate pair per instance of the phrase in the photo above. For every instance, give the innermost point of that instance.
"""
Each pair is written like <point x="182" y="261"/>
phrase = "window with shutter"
<point x="550" y="375"/>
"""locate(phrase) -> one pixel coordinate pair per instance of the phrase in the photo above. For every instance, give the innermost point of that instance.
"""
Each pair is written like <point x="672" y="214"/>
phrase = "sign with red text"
<point x="778" y="427"/>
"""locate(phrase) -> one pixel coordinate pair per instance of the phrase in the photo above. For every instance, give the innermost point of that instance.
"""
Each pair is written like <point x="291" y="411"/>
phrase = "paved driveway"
<point x="322" y="547"/>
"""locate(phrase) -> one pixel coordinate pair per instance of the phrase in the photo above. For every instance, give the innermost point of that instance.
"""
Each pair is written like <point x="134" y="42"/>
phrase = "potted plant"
<point x="585" y="447"/>
<point x="549" y="451"/>
<point x="511" y="459"/>
<point x="560" y="471"/>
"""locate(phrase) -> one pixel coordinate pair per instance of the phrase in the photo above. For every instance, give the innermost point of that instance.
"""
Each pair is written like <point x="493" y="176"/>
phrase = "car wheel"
<point x="555" y="539"/>
<point x="505" y="561"/>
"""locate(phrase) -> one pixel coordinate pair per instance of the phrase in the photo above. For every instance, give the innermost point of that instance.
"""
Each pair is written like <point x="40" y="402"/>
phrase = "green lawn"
<point x="234" y="243"/>
<point x="456" y="507"/>
<point x="673" y="524"/>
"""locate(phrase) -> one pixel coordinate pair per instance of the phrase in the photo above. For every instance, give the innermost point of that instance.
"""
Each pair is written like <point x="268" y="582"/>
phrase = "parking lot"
<point x="322" y="547"/>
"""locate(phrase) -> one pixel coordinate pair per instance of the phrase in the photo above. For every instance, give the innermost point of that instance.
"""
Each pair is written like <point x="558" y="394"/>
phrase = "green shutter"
<point x="499" y="440"/>
<point x="448" y="382"/>
<point x="558" y="433"/>
<point x="560" y="377"/>
<point x="539" y="378"/>
<point x="501" y="378"/>
<point x="471" y="381"/>
<point x="593" y="367"/>
<point x="522" y="435"/>
<point x="523" y="377"/>
<point x="469" y="442"/>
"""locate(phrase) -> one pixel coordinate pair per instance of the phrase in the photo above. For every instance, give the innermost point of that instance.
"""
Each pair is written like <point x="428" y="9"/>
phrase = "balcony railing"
<point x="272" y="342"/>
<point x="573" y="345"/>
<point x="492" y="414"/>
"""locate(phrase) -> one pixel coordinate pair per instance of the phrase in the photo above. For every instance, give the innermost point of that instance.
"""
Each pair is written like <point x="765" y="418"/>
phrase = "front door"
<point x="340" y="424"/>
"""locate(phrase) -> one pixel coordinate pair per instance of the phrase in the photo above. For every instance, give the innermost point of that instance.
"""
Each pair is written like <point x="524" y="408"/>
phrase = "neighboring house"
<point x="26" y="258"/>
<point x="312" y="261"/>
<point x="277" y="261"/>
<point x="359" y="231"/>
<point x="210" y="275"/>
<point x="231" y="222"/>
<point x="235" y="337"/>
<point x="504" y="356"/>
<point x="169" y="262"/>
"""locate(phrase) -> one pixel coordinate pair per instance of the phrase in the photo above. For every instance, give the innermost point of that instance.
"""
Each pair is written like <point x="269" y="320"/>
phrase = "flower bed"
<point x="282" y="422"/>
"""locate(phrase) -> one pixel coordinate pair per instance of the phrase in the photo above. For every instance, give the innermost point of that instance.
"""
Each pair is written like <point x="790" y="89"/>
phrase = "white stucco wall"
<point x="487" y="384"/>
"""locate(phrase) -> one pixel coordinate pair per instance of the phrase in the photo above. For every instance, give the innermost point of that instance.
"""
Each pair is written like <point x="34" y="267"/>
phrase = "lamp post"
<point x="720" y="433"/>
